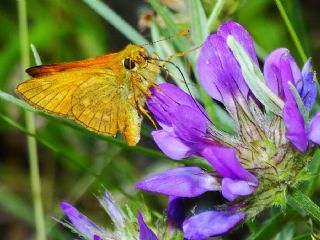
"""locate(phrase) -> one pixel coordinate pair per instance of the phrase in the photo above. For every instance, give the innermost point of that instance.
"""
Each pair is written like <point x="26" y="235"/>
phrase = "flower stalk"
<point x="30" y="126"/>
<point x="291" y="30"/>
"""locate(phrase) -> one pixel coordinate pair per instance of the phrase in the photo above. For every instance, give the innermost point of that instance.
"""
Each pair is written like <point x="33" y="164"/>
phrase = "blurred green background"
<point x="75" y="164"/>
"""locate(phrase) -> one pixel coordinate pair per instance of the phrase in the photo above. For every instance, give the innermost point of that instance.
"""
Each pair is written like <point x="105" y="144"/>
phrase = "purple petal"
<point x="96" y="237"/>
<point x="226" y="163"/>
<point x="279" y="69"/>
<point x="190" y="124"/>
<point x="308" y="88"/>
<point x="314" y="129"/>
<point x="220" y="73"/>
<point x="232" y="189"/>
<point x="294" y="123"/>
<point x="81" y="222"/>
<point x="165" y="99"/>
<point x="175" y="212"/>
<point x="171" y="145"/>
<point x="241" y="35"/>
<point x="211" y="223"/>
<point x="113" y="209"/>
<point x="180" y="182"/>
<point x="171" y="93"/>
<point x="182" y="119"/>
<point x="145" y="233"/>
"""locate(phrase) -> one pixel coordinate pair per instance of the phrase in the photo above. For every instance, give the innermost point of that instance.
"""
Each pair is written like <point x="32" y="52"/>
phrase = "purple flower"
<point x="250" y="168"/>
<point x="281" y="70"/>
<point x="89" y="230"/>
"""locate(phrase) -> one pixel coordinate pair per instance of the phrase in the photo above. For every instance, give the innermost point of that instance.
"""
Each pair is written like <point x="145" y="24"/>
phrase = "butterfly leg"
<point x="146" y="113"/>
<point x="140" y="103"/>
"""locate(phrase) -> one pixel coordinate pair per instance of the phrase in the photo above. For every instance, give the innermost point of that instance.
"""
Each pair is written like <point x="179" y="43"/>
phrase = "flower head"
<point x="124" y="228"/>
<point x="268" y="153"/>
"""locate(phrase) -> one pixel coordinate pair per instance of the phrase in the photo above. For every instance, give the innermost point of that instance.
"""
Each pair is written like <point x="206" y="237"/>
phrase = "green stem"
<point x="291" y="30"/>
<point x="30" y="125"/>
<point x="215" y="13"/>
<point x="300" y="201"/>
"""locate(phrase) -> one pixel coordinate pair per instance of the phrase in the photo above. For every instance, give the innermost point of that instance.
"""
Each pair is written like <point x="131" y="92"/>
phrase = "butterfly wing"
<point x="89" y="96"/>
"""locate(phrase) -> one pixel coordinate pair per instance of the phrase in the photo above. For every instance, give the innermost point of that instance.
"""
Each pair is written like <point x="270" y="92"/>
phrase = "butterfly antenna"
<point x="186" y="84"/>
<point x="179" y="34"/>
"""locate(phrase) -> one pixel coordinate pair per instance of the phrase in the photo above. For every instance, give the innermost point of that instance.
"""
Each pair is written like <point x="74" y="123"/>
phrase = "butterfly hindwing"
<point x="95" y="104"/>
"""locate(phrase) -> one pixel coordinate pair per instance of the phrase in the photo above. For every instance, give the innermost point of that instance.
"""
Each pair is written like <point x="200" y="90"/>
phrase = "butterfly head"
<point x="134" y="56"/>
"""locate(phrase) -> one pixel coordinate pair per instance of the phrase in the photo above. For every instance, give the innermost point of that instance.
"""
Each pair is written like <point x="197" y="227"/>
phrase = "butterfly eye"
<point x="128" y="64"/>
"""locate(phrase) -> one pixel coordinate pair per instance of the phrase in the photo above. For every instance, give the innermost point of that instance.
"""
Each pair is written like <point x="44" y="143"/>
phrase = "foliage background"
<point x="74" y="163"/>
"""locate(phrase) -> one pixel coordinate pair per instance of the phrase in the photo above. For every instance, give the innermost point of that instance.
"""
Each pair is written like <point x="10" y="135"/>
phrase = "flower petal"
<point x="80" y="221"/>
<point x="242" y="36"/>
<point x="232" y="189"/>
<point x="145" y="233"/>
<point x="166" y="97"/>
<point x="189" y="124"/>
<point x="180" y="182"/>
<point x="308" y="88"/>
<point x="279" y="69"/>
<point x="96" y="237"/>
<point x="294" y="123"/>
<point x="175" y="212"/>
<point x="226" y="163"/>
<point x="314" y="129"/>
<point x="220" y="73"/>
<point x="210" y="223"/>
<point x="171" y="145"/>
<point x="113" y="209"/>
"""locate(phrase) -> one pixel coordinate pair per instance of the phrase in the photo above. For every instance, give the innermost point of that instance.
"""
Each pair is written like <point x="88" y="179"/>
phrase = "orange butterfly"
<point x="104" y="94"/>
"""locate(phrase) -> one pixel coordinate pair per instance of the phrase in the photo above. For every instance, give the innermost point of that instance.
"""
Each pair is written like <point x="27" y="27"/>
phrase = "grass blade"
<point x="149" y="152"/>
<point x="115" y="20"/>
<point x="199" y="29"/>
<point x="291" y="30"/>
<point x="30" y="125"/>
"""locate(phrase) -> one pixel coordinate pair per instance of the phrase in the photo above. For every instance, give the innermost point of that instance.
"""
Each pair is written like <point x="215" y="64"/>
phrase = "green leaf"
<point x="291" y="30"/>
<point x="270" y="227"/>
<point x="18" y="208"/>
<point x="299" y="102"/>
<point x="36" y="55"/>
<point x="118" y="22"/>
<point x="301" y="202"/>
<point x="215" y="13"/>
<point x="15" y="205"/>
<point x="303" y="237"/>
<point x="199" y="29"/>
<point x="182" y="44"/>
<point x="313" y="169"/>
<point x="254" y="78"/>
<point x="286" y="233"/>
